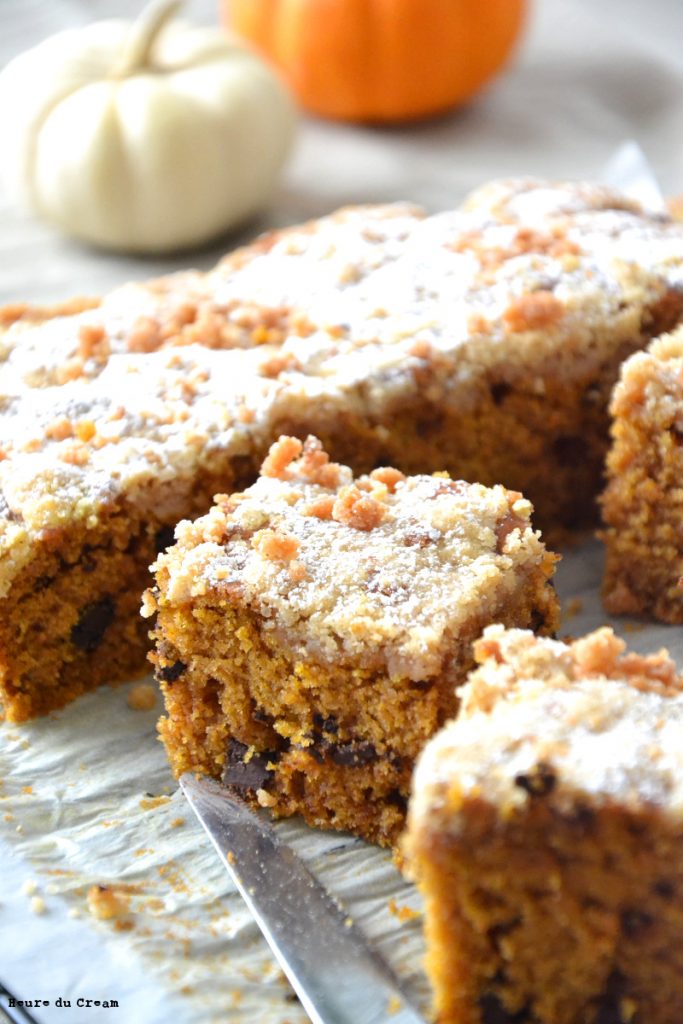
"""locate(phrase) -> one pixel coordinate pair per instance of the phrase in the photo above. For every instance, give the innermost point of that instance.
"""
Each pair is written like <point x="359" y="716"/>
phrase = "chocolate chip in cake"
<point x="583" y="817"/>
<point x="398" y="800"/>
<point x="92" y="624"/>
<point x="353" y="754"/>
<point x="87" y="561"/>
<point x="493" y="1012"/>
<point x="664" y="888"/>
<point x="422" y="685"/>
<point x="608" y="1010"/>
<point x="169" y="673"/>
<point x="327" y="724"/>
<point x="313" y="750"/>
<point x="249" y="774"/>
<point x="499" y="392"/>
<point x="634" y="921"/>
<point x="538" y="782"/>
<point x="163" y="538"/>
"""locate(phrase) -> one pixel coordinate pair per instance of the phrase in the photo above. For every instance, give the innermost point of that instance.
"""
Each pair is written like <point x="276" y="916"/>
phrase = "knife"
<point x="336" y="975"/>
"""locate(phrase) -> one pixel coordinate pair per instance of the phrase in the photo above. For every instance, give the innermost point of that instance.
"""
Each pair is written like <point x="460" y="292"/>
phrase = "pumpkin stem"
<point x="143" y="35"/>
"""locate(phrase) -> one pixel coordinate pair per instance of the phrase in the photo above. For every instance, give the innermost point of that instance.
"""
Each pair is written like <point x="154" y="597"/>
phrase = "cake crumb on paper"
<point x="402" y="913"/>
<point x="150" y="802"/>
<point x="105" y="904"/>
<point x="142" y="697"/>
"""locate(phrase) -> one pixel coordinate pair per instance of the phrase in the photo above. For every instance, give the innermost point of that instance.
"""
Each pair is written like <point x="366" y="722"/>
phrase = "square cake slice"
<point x="312" y="630"/>
<point x="546" y="831"/>
<point x="643" y="502"/>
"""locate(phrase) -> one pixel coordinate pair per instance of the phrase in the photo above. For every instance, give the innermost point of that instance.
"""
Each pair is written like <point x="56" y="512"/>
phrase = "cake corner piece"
<point x="312" y="630"/>
<point x="526" y="834"/>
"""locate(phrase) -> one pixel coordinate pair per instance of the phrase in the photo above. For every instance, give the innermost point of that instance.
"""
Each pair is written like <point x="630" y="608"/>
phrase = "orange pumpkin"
<point x="380" y="60"/>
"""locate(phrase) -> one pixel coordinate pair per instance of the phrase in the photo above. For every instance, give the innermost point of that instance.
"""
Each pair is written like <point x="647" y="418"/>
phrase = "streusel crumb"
<point x="280" y="456"/>
<point x="353" y="508"/>
<point x="274" y="545"/>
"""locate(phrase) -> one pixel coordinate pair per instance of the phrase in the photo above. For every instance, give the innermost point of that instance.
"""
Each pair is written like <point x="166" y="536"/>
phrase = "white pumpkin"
<point x="146" y="137"/>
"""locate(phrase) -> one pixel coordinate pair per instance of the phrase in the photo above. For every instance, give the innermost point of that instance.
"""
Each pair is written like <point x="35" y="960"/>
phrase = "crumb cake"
<point x="546" y="832"/>
<point x="482" y="341"/>
<point x="643" y="502"/>
<point x="311" y="631"/>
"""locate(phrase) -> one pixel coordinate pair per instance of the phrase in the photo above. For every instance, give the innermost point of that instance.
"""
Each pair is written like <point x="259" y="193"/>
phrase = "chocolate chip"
<point x="637" y="828"/>
<point x="499" y="392"/>
<point x="583" y="817"/>
<point x="664" y="888"/>
<point x="539" y="618"/>
<point x="163" y="538"/>
<point x="493" y="1012"/>
<point x="92" y="624"/>
<point x="608" y="1009"/>
<point x="354" y="754"/>
<point x="328" y="724"/>
<point x="314" y="750"/>
<point x="538" y="782"/>
<point x="169" y="673"/>
<point x="570" y="450"/>
<point x="397" y="799"/>
<point x="634" y="921"/>
<point x="499" y="931"/>
<point x="247" y="775"/>
<point x="87" y="561"/>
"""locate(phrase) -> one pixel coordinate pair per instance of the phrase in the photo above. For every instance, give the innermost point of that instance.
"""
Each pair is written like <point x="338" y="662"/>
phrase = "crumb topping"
<point x="357" y="510"/>
<point x="379" y="567"/>
<point x="160" y="380"/>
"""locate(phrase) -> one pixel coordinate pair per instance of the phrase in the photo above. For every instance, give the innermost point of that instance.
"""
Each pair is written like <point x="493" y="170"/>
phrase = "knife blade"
<point x="337" y="976"/>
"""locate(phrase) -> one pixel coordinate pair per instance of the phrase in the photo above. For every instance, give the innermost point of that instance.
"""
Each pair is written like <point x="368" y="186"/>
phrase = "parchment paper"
<point x="86" y="796"/>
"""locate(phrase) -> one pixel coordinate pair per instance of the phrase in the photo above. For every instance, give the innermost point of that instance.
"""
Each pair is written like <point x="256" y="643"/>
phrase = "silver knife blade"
<point x="336" y="975"/>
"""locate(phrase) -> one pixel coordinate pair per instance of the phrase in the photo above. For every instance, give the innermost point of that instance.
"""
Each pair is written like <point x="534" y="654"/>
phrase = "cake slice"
<point x="312" y="630"/>
<point x="546" y="831"/>
<point x="643" y="502"/>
